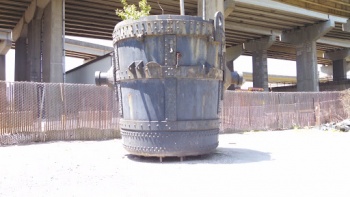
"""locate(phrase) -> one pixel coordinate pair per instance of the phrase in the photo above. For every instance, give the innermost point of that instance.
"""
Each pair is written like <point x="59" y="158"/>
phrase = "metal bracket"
<point x="219" y="36"/>
<point x="153" y="70"/>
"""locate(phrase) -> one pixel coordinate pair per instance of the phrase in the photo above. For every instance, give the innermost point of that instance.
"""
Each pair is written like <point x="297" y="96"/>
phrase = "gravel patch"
<point x="274" y="163"/>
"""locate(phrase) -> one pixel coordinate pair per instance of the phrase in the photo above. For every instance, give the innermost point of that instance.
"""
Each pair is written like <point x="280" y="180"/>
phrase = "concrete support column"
<point x="5" y="46"/>
<point x="53" y="42"/>
<point x="339" y="69"/>
<point x="22" y="72"/>
<point x="339" y="63"/>
<point x="34" y="50"/>
<point x="2" y="68"/>
<point x="232" y="53"/>
<point x="305" y="41"/>
<point x="307" y="75"/>
<point x="211" y="7"/>
<point x="259" y="49"/>
<point x="260" y="74"/>
<point x="3" y="99"/>
<point x="346" y="26"/>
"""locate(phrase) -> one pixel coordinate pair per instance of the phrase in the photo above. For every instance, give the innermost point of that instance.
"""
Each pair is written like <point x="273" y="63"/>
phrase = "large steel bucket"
<point x="169" y="74"/>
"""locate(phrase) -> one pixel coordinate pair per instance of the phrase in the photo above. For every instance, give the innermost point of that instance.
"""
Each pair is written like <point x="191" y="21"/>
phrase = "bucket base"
<point x="170" y="143"/>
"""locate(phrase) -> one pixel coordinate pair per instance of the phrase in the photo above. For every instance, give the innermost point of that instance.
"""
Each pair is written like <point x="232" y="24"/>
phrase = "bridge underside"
<point x="246" y="21"/>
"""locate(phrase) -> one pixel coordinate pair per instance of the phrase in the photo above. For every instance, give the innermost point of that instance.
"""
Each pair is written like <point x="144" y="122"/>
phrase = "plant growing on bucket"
<point x="131" y="12"/>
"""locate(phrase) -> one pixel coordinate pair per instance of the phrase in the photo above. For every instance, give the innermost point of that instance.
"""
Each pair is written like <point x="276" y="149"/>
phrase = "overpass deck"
<point x="247" y="20"/>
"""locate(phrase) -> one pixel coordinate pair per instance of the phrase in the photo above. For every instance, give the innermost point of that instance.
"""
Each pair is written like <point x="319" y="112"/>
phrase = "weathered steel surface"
<point x="180" y="143"/>
<point x="169" y="73"/>
<point x="154" y="70"/>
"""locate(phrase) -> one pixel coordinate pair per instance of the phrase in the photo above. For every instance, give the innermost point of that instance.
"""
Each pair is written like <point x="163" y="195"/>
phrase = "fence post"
<point x="249" y="118"/>
<point x="317" y="112"/>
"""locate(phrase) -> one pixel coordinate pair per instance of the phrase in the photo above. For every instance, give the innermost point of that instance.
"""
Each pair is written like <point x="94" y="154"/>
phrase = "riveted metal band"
<point x="163" y="144"/>
<point x="119" y="89"/>
<point x="170" y="99"/>
<point x="170" y="50"/>
<point x="154" y="70"/>
<point x="138" y="29"/>
<point x="116" y="66"/>
<point x="134" y="125"/>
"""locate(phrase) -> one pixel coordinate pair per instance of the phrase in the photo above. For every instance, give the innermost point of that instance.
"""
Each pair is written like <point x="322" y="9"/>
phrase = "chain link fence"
<point x="39" y="112"/>
<point x="245" y="111"/>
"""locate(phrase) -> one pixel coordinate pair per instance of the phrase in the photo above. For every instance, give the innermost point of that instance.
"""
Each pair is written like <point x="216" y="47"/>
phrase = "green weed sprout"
<point x="131" y="12"/>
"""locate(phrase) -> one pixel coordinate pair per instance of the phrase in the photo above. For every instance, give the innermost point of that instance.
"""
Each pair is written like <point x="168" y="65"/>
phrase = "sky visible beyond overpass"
<point x="242" y="64"/>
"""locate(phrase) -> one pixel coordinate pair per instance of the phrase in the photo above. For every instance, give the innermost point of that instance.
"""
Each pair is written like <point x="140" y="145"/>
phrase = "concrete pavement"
<point x="276" y="163"/>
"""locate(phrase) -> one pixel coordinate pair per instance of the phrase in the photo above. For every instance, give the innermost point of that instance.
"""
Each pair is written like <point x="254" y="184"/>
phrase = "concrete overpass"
<point x="307" y="31"/>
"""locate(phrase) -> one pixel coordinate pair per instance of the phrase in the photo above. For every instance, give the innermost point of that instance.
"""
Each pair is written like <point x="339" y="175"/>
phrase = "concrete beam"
<point x="86" y="47"/>
<point x="309" y="33"/>
<point x="259" y="44"/>
<point x="274" y="6"/>
<point x="27" y="17"/>
<point x="252" y="29"/>
<point x="337" y="55"/>
<point x="5" y="34"/>
<point x="5" y="46"/>
<point x="290" y="50"/>
<point x="5" y="41"/>
<point x="335" y="42"/>
<point x="234" y="52"/>
<point x="229" y="6"/>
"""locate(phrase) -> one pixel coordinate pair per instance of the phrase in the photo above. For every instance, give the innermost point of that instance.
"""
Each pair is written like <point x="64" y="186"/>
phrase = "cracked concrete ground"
<point x="275" y="163"/>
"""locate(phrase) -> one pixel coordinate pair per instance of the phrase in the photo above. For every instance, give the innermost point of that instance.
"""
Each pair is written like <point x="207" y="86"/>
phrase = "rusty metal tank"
<point x="168" y="71"/>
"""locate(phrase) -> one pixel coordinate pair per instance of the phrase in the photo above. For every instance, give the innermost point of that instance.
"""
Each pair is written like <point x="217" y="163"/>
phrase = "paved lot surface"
<point x="279" y="163"/>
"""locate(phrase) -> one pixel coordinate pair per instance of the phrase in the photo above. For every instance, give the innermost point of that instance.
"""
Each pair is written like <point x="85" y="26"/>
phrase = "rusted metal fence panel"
<point x="244" y="111"/>
<point x="31" y="112"/>
<point x="38" y="112"/>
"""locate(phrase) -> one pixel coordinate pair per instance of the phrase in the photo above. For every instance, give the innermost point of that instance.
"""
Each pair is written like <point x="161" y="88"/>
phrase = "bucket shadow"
<point x="220" y="156"/>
